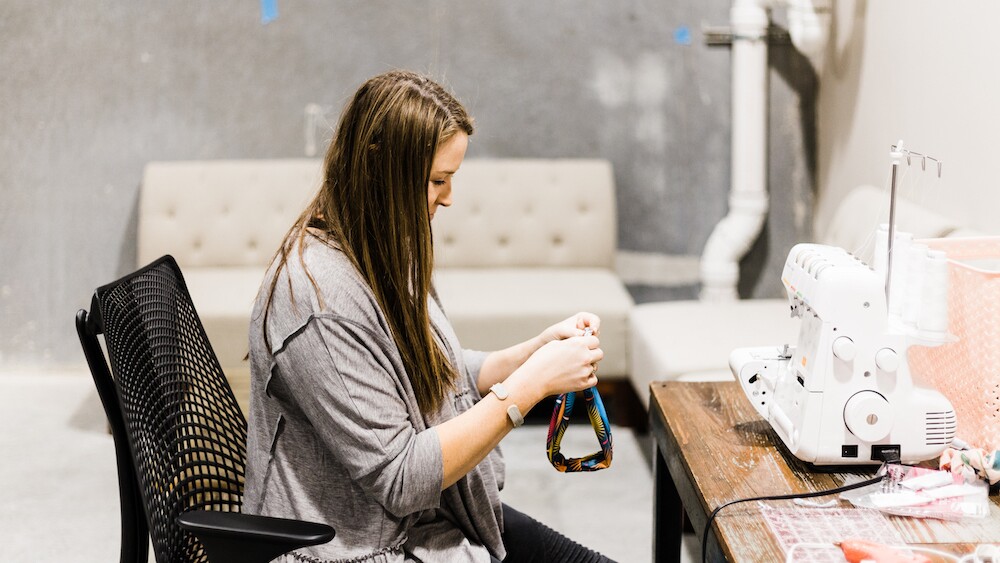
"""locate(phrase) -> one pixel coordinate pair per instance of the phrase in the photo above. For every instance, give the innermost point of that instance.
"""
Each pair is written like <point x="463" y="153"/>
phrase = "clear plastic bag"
<point x="924" y="493"/>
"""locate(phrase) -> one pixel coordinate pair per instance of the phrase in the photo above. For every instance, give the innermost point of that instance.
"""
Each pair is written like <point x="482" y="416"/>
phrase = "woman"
<point x="365" y="413"/>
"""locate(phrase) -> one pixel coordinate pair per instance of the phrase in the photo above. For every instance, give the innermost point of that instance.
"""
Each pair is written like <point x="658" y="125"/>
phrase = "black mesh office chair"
<point x="180" y="437"/>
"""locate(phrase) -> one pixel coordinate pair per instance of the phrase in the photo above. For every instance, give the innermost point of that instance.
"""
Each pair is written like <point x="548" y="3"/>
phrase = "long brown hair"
<point x="373" y="205"/>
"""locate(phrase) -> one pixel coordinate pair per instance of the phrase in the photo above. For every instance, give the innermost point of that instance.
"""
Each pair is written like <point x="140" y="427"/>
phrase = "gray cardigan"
<point x="335" y="434"/>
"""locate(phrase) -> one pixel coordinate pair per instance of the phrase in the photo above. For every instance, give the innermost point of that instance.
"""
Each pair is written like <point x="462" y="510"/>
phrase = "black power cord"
<point x="852" y="486"/>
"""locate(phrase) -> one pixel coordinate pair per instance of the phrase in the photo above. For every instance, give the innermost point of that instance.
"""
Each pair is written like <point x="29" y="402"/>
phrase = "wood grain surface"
<point x="718" y="449"/>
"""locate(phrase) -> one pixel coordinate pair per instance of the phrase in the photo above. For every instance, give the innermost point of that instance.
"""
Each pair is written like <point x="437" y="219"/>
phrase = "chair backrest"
<point x="184" y="431"/>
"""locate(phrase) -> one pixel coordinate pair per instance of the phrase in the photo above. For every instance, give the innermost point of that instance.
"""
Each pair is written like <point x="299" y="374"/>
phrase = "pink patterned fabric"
<point x="967" y="372"/>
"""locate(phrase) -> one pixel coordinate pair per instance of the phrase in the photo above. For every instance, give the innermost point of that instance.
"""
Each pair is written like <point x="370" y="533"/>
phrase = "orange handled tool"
<point x="857" y="551"/>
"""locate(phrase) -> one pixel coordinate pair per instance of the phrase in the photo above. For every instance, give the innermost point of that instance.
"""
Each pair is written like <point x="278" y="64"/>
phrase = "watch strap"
<point x="500" y="391"/>
<point x="515" y="416"/>
<point x="513" y="412"/>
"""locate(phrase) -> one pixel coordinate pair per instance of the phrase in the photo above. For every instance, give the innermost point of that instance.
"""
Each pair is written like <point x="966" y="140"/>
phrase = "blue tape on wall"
<point x="682" y="35"/>
<point x="268" y="11"/>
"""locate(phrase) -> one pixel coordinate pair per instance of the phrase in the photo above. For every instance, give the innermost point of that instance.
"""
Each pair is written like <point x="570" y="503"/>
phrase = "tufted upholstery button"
<point x="449" y="239"/>
<point x="503" y="240"/>
<point x="252" y="244"/>
<point x="171" y="212"/>
<point x="528" y="209"/>
<point x="557" y="240"/>
<point x="583" y="208"/>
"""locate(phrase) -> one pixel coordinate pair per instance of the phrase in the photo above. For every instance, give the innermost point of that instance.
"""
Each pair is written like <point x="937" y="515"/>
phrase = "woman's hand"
<point x="571" y="327"/>
<point x="530" y="371"/>
<point x="499" y="365"/>
<point x="564" y="365"/>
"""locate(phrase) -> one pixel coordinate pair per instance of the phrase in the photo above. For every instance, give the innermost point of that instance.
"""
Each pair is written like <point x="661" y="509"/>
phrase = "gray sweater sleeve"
<point x="340" y="375"/>
<point x="473" y="364"/>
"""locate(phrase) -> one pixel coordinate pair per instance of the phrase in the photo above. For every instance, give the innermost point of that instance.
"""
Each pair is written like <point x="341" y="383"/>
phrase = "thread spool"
<point x="900" y="269"/>
<point x="881" y="250"/>
<point x="915" y="269"/>
<point x="934" y="314"/>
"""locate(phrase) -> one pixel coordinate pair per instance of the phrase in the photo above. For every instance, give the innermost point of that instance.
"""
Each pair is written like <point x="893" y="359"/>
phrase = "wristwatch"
<point x="513" y="412"/>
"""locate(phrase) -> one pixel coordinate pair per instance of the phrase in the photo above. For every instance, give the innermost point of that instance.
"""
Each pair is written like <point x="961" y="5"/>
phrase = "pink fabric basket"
<point x="967" y="372"/>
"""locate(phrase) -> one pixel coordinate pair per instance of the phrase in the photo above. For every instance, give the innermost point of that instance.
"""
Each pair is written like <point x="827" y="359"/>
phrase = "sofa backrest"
<point x="527" y="212"/>
<point x="222" y="212"/>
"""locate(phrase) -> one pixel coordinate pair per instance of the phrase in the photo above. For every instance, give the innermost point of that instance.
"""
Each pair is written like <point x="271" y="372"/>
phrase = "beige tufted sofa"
<point x="526" y="243"/>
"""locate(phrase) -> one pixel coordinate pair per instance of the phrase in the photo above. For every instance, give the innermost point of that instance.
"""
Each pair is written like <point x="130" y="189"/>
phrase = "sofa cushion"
<point x="495" y="308"/>
<point x="490" y="309"/>
<point x="224" y="298"/>
<point x="692" y="340"/>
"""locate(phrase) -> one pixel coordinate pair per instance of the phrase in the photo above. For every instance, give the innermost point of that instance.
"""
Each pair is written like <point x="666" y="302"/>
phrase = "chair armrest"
<point x="231" y="537"/>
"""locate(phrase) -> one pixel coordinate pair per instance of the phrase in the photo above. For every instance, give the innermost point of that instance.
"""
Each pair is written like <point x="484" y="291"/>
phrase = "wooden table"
<point x="712" y="447"/>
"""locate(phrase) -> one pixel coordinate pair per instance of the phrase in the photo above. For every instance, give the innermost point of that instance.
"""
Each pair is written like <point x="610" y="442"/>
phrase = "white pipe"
<point x="748" y="201"/>
<point x="808" y="27"/>
<point x="808" y="22"/>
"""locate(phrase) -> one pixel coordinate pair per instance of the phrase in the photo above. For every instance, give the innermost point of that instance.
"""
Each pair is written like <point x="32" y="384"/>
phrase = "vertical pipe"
<point x="748" y="200"/>
<point x="749" y="95"/>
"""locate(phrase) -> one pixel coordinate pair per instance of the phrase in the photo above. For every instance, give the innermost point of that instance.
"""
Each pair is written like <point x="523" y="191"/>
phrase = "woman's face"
<point x="447" y="159"/>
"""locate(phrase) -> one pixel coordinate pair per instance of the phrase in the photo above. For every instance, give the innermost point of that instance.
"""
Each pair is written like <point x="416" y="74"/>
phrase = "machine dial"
<point x="887" y="359"/>
<point x="868" y="416"/>
<point x="844" y="348"/>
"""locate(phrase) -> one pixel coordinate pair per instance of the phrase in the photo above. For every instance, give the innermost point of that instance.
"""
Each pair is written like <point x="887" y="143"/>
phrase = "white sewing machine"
<point x="844" y="393"/>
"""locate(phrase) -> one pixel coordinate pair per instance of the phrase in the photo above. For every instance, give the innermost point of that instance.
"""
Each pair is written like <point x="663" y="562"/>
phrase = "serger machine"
<point x="844" y="394"/>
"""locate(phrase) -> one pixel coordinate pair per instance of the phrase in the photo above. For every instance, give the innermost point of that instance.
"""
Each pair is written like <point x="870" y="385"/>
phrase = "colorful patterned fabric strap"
<point x="559" y="424"/>
<point x="973" y="463"/>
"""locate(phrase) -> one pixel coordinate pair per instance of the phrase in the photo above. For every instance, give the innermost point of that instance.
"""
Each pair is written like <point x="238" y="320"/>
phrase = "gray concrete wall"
<point x="93" y="90"/>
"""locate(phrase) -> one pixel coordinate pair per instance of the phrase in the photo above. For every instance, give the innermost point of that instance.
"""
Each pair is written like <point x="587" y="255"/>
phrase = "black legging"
<point x="529" y="541"/>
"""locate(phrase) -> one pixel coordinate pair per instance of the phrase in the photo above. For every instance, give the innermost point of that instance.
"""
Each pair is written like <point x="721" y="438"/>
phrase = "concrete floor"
<point x="59" y="496"/>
